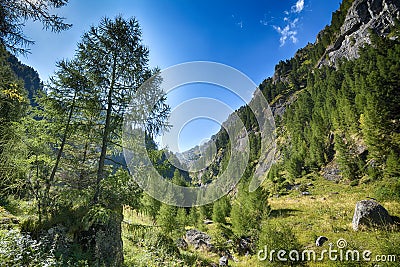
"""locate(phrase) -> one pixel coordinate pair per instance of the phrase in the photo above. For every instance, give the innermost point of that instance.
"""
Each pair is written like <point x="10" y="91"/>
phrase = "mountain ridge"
<point x="291" y="77"/>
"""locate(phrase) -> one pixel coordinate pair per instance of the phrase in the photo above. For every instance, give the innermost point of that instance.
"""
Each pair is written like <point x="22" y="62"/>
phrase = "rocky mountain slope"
<point x="364" y="16"/>
<point x="350" y="29"/>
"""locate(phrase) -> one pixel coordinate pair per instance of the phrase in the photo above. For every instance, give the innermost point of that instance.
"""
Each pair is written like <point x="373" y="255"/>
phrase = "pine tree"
<point x="221" y="210"/>
<point x="167" y="218"/>
<point x="247" y="211"/>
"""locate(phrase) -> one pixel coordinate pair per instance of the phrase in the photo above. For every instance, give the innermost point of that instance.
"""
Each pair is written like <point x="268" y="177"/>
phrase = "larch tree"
<point x="116" y="62"/>
<point x="15" y="13"/>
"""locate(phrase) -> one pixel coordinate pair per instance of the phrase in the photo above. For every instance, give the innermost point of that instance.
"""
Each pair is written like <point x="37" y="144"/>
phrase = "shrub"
<point x="18" y="249"/>
<point x="389" y="189"/>
<point x="278" y="237"/>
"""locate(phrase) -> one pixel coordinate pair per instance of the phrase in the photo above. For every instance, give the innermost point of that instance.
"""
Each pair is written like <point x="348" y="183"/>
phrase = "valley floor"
<point x="327" y="211"/>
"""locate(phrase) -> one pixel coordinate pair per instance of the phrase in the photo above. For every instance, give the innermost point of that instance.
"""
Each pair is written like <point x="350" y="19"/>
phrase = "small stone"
<point x="320" y="241"/>
<point x="223" y="261"/>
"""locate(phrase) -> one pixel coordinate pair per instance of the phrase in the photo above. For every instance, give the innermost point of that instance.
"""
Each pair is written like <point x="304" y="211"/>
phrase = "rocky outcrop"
<point x="331" y="172"/>
<point x="369" y="213"/>
<point x="364" y="15"/>
<point x="223" y="261"/>
<point x="279" y="107"/>
<point x="199" y="240"/>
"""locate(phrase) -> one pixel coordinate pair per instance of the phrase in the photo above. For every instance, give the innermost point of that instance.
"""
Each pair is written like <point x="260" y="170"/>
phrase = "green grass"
<point x="328" y="211"/>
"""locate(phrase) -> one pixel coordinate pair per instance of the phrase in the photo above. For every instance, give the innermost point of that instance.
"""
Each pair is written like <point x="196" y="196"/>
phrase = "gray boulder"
<point x="369" y="213"/>
<point x="244" y="246"/>
<point x="199" y="239"/>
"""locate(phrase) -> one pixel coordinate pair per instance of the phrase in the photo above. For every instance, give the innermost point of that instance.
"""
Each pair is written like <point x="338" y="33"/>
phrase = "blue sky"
<point x="251" y="36"/>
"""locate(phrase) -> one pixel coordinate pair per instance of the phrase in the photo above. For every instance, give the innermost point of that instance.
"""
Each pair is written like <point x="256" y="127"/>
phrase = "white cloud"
<point x="298" y="7"/>
<point x="286" y="32"/>
<point x="238" y="22"/>
<point x="293" y="23"/>
<point x="267" y="20"/>
<point x="291" y="19"/>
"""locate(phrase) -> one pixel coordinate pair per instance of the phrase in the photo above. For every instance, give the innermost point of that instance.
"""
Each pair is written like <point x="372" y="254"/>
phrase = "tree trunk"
<point x="60" y="151"/>
<point x="108" y="241"/>
<point x="107" y="126"/>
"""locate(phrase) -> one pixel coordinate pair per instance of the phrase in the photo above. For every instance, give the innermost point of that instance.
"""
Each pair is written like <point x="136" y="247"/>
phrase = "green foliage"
<point x="161" y="243"/>
<point x="167" y="219"/>
<point x="277" y="237"/>
<point x="21" y="250"/>
<point x="150" y="206"/>
<point x="121" y="189"/>
<point x="221" y="210"/>
<point x="247" y="211"/>
<point x="347" y="161"/>
<point x="13" y="106"/>
<point x="31" y="79"/>
<point x="193" y="218"/>
<point x="158" y="250"/>
<point x="66" y="155"/>
<point x="14" y="15"/>
<point x="392" y="168"/>
<point x="97" y="215"/>
<point x="389" y="189"/>
<point x="349" y="114"/>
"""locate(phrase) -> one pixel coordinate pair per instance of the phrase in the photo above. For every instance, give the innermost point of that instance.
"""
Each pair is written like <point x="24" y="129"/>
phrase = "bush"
<point x="354" y="182"/>
<point x="161" y="244"/>
<point x="278" y="237"/>
<point x="18" y="249"/>
<point x="388" y="190"/>
<point x="156" y="249"/>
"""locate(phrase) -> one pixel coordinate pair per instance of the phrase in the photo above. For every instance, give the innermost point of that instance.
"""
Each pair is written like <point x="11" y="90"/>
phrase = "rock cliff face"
<point x="363" y="16"/>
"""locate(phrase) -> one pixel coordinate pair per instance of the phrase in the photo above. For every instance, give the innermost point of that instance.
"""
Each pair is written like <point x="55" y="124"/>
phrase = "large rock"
<point x="245" y="246"/>
<point x="369" y="213"/>
<point x="199" y="239"/>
